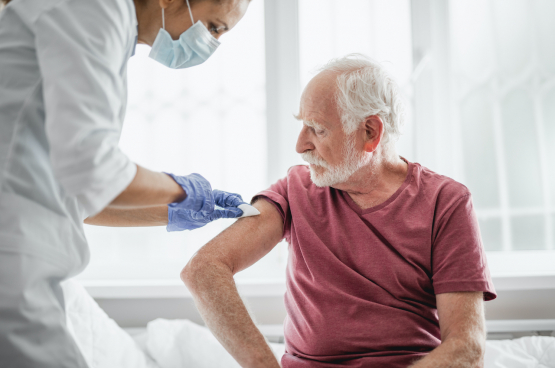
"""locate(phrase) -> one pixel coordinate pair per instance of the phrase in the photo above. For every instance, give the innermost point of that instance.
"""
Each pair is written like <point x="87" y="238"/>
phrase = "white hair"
<point x="364" y="88"/>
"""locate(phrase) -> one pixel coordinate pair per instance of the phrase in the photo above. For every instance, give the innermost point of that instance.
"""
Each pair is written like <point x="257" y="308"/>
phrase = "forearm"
<point x="130" y="217"/>
<point x="149" y="188"/>
<point x="223" y="311"/>
<point x="454" y="353"/>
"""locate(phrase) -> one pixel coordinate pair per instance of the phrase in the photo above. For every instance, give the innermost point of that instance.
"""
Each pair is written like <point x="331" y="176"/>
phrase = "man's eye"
<point x="320" y="131"/>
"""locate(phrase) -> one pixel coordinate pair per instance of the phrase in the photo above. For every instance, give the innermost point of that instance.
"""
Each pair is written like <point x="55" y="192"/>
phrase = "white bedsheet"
<point x="181" y="343"/>
<point x="526" y="352"/>
<point x="103" y="343"/>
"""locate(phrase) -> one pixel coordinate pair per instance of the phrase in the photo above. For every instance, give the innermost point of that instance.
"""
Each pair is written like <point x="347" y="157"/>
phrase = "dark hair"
<point x="5" y="2"/>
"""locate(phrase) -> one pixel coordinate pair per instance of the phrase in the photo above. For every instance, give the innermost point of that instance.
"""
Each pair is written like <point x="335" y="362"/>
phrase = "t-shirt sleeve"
<point x="278" y="196"/>
<point x="82" y="49"/>
<point x="458" y="258"/>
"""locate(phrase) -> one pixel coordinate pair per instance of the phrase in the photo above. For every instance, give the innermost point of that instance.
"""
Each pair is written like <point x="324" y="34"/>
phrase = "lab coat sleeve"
<point x="82" y="49"/>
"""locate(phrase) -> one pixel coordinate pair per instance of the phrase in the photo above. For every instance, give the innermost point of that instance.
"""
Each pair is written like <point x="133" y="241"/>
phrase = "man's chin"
<point x="321" y="180"/>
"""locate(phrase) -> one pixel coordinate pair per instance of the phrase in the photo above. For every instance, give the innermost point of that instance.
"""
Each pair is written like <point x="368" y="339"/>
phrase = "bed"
<point x="182" y="343"/>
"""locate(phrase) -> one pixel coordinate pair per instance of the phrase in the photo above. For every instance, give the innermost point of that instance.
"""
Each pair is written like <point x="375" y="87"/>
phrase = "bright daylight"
<point x="277" y="183"/>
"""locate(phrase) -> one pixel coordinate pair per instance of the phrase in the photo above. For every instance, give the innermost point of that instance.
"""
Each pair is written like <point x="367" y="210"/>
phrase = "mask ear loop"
<point x="163" y="20"/>
<point x="190" y="13"/>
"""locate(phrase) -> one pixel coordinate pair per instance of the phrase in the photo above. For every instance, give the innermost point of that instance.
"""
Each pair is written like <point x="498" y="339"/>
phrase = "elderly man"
<point x="386" y="267"/>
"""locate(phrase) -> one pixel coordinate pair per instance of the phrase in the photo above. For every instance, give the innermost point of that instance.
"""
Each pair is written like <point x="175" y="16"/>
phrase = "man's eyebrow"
<point x="310" y="123"/>
<point x="313" y="124"/>
<point x="224" y="23"/>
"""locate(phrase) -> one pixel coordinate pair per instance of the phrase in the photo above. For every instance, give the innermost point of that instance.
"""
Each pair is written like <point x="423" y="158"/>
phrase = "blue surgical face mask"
<point x="193" y="47"/>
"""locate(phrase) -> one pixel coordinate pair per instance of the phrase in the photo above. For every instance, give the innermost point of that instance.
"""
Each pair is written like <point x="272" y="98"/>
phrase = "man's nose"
<point x="303" y="142"/>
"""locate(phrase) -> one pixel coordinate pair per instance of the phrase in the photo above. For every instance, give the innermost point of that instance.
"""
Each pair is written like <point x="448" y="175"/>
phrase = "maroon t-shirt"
<point x="362" y="284"/>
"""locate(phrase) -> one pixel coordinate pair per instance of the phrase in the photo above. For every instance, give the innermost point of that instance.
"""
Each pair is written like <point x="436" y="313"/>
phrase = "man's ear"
<point x="373" y="129"/>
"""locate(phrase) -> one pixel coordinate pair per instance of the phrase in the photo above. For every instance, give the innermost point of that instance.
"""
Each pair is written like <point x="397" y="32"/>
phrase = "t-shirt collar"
<point x="360" y="211"/>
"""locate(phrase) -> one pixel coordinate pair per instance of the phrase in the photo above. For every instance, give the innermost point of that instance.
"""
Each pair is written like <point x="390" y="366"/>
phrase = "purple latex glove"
<point x="199" y="193"/>
<point x="182" y="218"/>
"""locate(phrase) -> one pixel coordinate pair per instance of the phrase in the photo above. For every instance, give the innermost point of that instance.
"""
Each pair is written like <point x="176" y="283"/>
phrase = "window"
<point x="478" y="77"/>
<point x="504" y="97"/>
<point x="208" y="119"/>
<point x="376" y="28"/>
<point x="484" y="115"/>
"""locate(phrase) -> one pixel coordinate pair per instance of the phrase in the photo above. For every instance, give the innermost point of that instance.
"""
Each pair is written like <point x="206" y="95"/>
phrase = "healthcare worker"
<point x="62" y="104"/>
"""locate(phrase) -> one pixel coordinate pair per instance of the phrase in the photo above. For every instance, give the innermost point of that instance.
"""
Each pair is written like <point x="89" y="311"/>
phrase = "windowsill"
<point x="162" y="289"/>
<point x="535" y="272"/>
<point x="522" y="263"/>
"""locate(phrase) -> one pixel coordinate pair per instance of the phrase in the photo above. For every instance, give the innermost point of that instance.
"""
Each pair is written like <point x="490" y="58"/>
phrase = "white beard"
<point x="332" y="175"/>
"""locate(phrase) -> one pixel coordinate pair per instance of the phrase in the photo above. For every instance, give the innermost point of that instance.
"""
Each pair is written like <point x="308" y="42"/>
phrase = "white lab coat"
<point x="62" y="104"/>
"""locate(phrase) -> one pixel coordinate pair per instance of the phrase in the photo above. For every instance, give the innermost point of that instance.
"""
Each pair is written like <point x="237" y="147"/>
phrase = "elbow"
<point x="478" y="352"/>
<point x="474" y="350"/>
<point x="475" y="355"/>
<point x="203" y="271"/>
<point x="191" y="273"/>
<point x="478" y="346"/>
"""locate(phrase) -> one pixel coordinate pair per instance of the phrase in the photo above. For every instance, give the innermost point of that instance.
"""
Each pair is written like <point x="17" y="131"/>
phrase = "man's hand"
<point x="463" y="333"/>
<point x="209" y="277"/>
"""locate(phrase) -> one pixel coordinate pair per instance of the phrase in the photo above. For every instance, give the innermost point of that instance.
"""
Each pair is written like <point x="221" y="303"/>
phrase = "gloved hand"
<point x="186" y="219"/>
<point x="226" y="199"/>
<point x="199" y="193"/>
<point x="180" y="219"/>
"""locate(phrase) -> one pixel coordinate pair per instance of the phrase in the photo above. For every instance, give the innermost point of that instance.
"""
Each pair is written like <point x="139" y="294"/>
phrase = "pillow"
<point x="526" y="352"/>
<point x="182" y="343"/>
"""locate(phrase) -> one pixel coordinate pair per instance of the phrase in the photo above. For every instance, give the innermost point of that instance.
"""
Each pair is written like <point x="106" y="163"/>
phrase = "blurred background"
<point x="478" y="77"/>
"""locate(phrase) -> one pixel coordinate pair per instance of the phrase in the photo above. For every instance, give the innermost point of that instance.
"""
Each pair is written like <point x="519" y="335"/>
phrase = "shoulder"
<point x="442" y="192"/>
<point x="298" y="177"/>
<point x="114" y="14"/>
<point x="299" y="172"/>
<point x="437" y="184"/>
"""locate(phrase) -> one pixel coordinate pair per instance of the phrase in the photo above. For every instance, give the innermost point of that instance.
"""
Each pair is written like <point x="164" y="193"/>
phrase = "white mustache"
<point x="314" y="159"/>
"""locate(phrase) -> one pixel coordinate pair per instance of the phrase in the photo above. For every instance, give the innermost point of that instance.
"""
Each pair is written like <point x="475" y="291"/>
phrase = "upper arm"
<point x="246" y="241"/>
<point x="459" y="261"/>
<point x="461" y="315"/>
<point x="82" y="49"/>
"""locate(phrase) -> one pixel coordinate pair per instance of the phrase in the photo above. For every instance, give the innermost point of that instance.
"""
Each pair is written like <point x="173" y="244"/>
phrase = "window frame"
<point x="443" y="151"/>
<point x="174" y="289"/>
<point x="282" y="84"/>
<point x="430" y="27"/>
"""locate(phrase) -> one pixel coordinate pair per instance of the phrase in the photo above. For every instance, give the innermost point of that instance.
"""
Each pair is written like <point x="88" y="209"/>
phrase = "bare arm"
<point x="149" y="188"/>
<point x="130" y="217"/>
<point x="463" y="333"/>
<point x="143" y="203"/>
<point x="209" y="277"/>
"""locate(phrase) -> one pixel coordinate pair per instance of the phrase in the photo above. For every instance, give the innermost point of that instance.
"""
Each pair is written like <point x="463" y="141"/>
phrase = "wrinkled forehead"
<point x="318" y="101"/>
